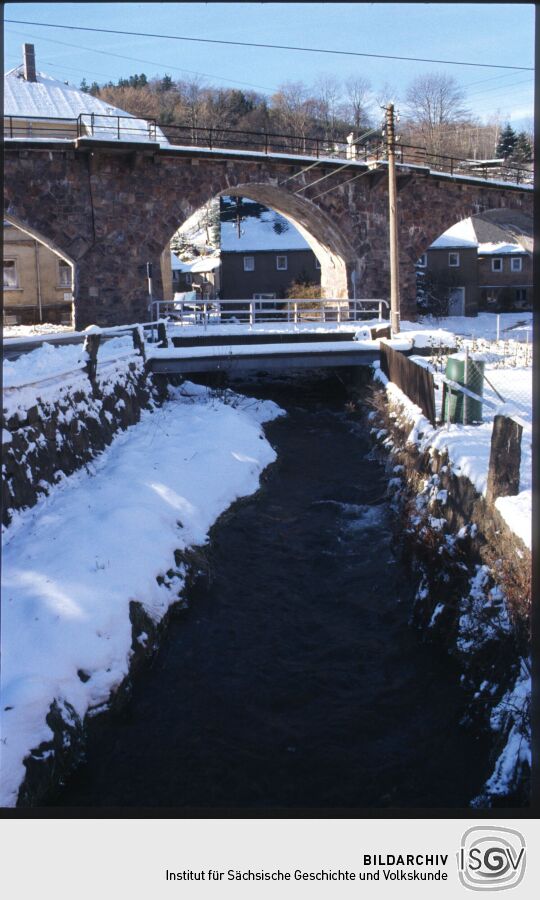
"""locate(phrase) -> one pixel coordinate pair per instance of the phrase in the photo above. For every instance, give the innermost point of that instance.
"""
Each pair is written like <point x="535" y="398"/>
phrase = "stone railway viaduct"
<point x="110" y="208"/>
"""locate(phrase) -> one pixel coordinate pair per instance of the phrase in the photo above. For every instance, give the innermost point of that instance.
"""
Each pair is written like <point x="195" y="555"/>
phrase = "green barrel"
<point x="457" y="407"/>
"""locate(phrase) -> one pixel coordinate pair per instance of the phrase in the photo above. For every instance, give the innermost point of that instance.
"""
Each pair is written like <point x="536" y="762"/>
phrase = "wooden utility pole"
<point x="392" y="201"/>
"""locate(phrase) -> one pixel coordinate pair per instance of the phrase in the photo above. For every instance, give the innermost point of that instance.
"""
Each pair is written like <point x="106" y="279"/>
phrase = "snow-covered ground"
<point x="73" y="563"/>
<point x="23" y="331"/>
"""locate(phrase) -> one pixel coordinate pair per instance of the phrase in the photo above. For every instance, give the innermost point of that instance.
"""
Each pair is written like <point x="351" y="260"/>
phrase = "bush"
<point x="304" y="291"/>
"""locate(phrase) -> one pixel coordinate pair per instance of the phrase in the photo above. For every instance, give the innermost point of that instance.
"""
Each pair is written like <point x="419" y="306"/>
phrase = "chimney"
<point x="29" y="62"/>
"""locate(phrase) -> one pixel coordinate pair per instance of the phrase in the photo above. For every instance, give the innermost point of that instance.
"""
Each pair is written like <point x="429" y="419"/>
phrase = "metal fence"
<point x="255" y="312"/>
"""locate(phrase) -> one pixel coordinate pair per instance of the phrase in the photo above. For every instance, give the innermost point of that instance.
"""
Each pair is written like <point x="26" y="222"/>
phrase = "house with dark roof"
<point x="481" y="263"/>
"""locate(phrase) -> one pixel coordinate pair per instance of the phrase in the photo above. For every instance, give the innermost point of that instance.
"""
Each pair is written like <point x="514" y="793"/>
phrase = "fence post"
<point x="504" y="459"/>
<point x="138" y="342"/>
<point x="90" y="347"/>
<point x="295" y="313"/>
<point x="162" y="335"/>
<point x="251" y="312"/>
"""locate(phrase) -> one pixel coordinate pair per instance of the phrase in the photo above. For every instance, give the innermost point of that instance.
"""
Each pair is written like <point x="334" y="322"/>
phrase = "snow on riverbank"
<point x="469" y="446"/>
<point x="73" y="563"/>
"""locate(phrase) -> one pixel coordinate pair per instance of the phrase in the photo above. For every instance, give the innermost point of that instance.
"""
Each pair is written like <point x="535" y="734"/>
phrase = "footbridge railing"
<point x="257" y="312"/>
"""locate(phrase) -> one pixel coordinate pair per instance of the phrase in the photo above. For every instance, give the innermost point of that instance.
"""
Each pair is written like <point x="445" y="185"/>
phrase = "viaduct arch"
<point x="111" y="210"/>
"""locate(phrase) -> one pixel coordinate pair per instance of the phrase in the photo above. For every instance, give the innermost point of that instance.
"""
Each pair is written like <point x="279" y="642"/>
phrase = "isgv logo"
<point x="491" y="858"/>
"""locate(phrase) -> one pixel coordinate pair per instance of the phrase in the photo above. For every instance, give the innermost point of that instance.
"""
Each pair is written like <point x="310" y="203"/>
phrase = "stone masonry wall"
<point x="112" y="212"/>
<point x="43" y="444"/>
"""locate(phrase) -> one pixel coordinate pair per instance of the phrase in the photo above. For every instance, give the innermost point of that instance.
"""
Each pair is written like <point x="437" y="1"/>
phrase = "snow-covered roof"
<point x="460" y="235"/>
<point x="49" y="98"/>
<point x="498" y="248"/>
<point x="199" y="265"/>
<point x="488" y="235"/>
<point x="266" y="230"/>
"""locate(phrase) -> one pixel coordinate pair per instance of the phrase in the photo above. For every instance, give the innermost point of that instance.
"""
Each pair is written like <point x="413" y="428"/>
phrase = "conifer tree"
<point x="522" y="151"/>
<point x="507" y="142"/>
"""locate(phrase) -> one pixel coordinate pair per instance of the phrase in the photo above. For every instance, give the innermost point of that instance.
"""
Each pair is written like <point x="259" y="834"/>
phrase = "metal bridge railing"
<point x="118" y="127"/>
<point x="258" y="312"/>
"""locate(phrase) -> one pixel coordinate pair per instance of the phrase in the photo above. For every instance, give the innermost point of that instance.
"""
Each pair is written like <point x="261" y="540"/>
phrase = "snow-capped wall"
<point x="55" y="433"/>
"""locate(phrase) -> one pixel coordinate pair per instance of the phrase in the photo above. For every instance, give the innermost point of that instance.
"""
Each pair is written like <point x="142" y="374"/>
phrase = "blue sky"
<point x="502" y="34"/>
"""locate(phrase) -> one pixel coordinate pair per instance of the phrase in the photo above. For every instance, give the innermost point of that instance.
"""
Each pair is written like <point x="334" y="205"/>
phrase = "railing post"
<point x="265" y="142"/>
<point x="251" y="312"/>
<point x="11" y="126"/>
<point x="317" y="147"/>
<point x="92" y="124"/>
<point x="118" y="126"/>
<point x="339" y="313"/>
<point x="210" y="138"/>
<point x="295" y="313"/>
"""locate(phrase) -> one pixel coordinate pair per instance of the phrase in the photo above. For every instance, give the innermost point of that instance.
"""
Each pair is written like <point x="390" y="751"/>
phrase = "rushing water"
<point x="294" y="679"/>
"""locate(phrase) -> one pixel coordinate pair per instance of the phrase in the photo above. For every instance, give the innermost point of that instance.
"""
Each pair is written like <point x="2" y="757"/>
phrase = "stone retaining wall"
<point x="62" y="432"/>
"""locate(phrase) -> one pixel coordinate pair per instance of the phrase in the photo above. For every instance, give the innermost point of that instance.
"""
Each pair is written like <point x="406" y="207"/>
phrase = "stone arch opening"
<point x="335" y="254"/>
<point x="39" y="277"/>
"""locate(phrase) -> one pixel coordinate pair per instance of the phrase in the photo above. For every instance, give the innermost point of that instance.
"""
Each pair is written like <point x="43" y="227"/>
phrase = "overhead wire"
<point x="177" y="37"/>
<point x="312" y="166"/>
<point x="346" y="166"/>
<point x="343" y="183"/>
<point x="148" y="62"/>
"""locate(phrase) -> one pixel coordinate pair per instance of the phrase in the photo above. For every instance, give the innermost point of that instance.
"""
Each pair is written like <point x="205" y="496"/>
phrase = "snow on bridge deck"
<point x="242" y="358"/>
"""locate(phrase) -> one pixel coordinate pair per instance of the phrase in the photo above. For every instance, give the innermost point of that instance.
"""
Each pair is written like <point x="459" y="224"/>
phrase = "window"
<point x="249" y="263"/>
<point x="64" y="273"/>
<point x="521" y="295"/>
<point x="422" y="261"/>
<point x="264" y="307"/>
<point x="453" y="260"/>
<point x="515" y="264"/>
<point x="281" y="263"/>
<point x="11" y="278"/>
<point x="497" y="264"/>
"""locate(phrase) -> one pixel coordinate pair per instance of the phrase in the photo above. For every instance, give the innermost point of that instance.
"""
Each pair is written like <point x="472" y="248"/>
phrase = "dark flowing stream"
<point x="294" y="679"/>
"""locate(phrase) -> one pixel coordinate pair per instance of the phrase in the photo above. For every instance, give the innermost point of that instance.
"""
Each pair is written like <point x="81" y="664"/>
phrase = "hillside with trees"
<point x="433" y="112"/>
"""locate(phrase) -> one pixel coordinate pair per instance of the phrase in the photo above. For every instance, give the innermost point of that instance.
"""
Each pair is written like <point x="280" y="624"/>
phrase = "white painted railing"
<point x="253" y="312"/>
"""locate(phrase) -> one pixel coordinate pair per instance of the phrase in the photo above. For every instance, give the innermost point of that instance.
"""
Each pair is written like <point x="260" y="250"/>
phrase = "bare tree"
<point x="435" y="102"/>
<point x="293" y="108"/>
<point x="328" y="104"/>
<point x="358" y="91"/>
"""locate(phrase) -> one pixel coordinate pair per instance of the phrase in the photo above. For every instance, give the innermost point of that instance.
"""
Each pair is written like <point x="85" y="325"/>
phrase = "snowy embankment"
<point x="508" y="370"/>
<point x="73" y="563"/>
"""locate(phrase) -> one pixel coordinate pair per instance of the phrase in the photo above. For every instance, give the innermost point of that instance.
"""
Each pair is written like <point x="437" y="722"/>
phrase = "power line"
<point x="312" y="166"/>
<point x="148" y="62"/>
<point x="177" y="37"/>
<point x="329" y="175"/>
<point x="343" y="183"/>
